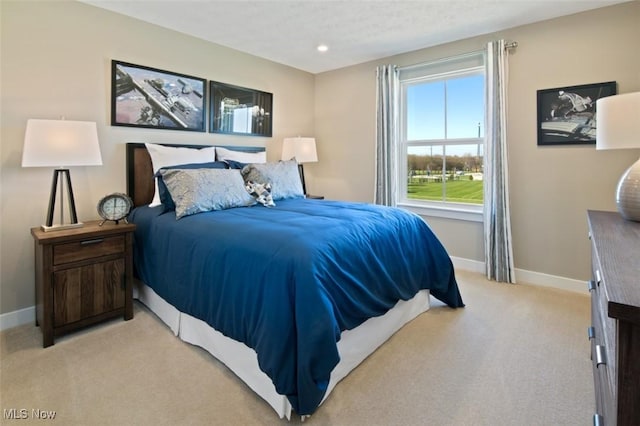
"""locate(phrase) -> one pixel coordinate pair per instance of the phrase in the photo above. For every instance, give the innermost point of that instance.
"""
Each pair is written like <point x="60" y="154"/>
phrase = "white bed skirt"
<point x="354" y="345"/>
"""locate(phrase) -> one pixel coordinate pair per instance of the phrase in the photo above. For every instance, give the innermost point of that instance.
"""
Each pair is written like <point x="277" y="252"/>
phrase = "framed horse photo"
<point x="567" y="115"/>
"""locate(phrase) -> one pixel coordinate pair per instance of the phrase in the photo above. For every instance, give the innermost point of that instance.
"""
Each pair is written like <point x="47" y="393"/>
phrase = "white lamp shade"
<point x="61" y="143"/>
<point x="617" y="119"/>
<point x="303" y="149"/>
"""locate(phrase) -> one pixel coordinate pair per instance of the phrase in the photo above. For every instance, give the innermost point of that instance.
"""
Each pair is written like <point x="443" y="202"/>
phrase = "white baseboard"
<point x="28" y="315"/>
<point x="554" y="281"/>
<point x="527" y="277"/>
<point x="19" y="317"/>
<point x="468" y="264"/>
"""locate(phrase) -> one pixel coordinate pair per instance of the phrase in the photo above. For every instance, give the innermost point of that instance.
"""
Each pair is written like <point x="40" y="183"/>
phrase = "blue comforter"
<point x="287" y="280"/>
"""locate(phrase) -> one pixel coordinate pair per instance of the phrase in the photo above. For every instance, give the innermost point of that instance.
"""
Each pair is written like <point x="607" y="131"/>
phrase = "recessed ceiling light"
<point x="322" y="48"/>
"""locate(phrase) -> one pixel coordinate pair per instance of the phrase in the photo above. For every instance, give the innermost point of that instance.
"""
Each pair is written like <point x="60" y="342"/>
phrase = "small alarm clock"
<point x="114" y="207"/>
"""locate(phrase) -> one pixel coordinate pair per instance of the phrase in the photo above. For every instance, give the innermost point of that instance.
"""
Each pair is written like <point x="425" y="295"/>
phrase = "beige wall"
<point x="56" y="62"/>
<point x="551" y="187"/>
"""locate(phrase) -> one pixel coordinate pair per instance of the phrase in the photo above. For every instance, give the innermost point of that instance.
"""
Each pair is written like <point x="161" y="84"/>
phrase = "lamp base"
<point x="59" y="176"/>
<point x="61" y="227"/>
<point x="628" y="193"/>
<point x="301" y="172"/>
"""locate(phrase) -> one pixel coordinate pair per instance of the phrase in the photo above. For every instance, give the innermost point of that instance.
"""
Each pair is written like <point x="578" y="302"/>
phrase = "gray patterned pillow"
<point x="201" y="190"/>
<point x="283" y="177"/>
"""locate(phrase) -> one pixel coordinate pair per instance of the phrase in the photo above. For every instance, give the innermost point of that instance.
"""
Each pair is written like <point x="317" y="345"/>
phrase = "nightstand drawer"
<point x="87" y="249"/>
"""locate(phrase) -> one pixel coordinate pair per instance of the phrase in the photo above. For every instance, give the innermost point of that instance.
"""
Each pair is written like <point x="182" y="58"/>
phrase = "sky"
<point x="464" y="115"/>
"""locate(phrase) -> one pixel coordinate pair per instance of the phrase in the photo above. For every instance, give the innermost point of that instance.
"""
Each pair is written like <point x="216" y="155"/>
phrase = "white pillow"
<point x="242" y="157"/>
<point x="164" y="156"/>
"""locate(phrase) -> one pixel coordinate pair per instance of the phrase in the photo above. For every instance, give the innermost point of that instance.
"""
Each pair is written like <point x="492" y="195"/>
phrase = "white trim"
<point x="446" y="211"/>
<point x="19" y="317"/>
<point x="527" y="277"/>
<point x="553" y="281"/>
<point x="468" y="264"/>
<point x="443" y="65"/>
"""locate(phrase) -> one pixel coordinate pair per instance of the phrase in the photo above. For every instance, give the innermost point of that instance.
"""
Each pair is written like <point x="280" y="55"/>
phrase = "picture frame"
<point x="148" y="97"/>
<point x="567" y="115"/>
<point x="238" y="110"/>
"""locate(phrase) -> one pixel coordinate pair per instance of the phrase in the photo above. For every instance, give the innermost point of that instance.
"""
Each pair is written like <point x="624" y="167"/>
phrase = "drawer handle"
<point x="88" y="242"/>
<point x="591" y="285"/>
<point x="598" y="278"/>
<point x="601" y="356"/>
<point x="591" y="332"/>
<point x="597" y="420"/>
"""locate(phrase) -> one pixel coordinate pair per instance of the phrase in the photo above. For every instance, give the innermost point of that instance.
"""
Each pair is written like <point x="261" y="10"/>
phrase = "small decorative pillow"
<point x="283" y="177"/>
<point x="261" y="192"/>
<point x="201" y="190"/>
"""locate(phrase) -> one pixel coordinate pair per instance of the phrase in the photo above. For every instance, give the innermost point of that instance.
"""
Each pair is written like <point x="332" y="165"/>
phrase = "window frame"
<point x="446" y="69"/>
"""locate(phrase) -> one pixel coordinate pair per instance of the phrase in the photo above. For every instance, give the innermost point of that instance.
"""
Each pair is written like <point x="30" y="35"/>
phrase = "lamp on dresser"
<point x="61" y="144"/>
<point x="303" y="150"/>
<point x="617" y="119"/>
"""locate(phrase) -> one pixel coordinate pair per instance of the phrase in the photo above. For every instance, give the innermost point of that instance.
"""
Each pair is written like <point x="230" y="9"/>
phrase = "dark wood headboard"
<point x="140" y="183"/>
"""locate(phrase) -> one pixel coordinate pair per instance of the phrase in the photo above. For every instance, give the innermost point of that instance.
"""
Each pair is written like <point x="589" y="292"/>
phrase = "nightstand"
<point x="314" y="197"/>
<point x="83" y="276"/>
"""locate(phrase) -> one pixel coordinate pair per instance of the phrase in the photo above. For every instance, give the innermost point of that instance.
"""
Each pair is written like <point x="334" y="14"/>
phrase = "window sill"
<point x="471" y="214"/>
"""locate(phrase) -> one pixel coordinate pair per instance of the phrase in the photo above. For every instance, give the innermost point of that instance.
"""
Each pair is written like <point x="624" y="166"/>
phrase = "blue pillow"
<point x="165" y="195"/>
<point x="232" y="164"/>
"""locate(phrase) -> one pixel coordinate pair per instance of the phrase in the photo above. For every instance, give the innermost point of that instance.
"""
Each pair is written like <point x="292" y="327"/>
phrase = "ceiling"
<point x="355" y="31"/>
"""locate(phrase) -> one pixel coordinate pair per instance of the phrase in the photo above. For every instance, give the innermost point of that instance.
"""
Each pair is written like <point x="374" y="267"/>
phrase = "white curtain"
<point x="387" y="131"/>
<point x="497" y="222"/>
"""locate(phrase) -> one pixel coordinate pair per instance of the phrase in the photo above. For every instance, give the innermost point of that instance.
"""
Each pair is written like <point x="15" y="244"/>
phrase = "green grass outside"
<point x="459" y="191"/>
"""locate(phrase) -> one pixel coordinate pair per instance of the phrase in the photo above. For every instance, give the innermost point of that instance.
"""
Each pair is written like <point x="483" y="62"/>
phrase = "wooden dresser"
<point x="615" y="317"/>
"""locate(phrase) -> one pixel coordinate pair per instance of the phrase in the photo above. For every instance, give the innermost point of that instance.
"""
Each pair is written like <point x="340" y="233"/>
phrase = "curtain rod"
<point x="511" y="45"/>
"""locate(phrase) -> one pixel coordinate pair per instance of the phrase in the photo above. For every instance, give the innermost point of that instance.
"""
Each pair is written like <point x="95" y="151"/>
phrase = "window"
<point x="441" y="149"/>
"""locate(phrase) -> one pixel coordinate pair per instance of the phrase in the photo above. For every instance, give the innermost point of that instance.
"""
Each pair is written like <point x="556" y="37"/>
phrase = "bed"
<point x="291" y="297"/>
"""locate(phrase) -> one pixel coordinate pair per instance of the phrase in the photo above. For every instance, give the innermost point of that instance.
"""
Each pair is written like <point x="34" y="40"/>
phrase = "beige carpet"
<point x="516" y="355"/>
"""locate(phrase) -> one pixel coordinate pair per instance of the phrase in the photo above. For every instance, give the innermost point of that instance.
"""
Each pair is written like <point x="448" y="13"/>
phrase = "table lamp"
<point x="617" y="119"/>
<point x="60" y="144"/>
<point x="303" y="150"/>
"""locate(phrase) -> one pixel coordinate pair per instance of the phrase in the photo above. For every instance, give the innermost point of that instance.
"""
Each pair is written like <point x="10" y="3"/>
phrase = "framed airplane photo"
<point x="152" y="98"/>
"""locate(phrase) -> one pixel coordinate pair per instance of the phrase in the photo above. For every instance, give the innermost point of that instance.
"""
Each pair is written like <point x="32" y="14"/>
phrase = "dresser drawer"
<point x="605" y="401"/>
<point x="603" y="374"/>
<point x="87" y="249"/>
<point x="606" y="335"/>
